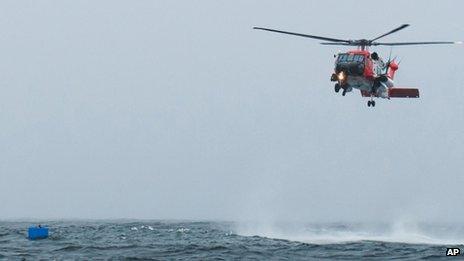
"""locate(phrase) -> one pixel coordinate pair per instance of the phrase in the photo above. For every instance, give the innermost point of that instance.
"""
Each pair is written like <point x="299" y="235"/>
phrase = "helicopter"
<point x="368" y="72"/>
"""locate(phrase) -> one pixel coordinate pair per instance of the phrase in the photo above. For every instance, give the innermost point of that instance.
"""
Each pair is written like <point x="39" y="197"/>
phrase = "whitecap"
<point x="183" y="230"/>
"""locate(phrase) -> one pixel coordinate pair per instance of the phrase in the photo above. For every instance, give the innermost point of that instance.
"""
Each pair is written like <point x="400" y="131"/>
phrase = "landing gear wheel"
<point x="337" y="87"/>
<point x="373" y="103"/>
<point x="368" y="103"/>
<point x="344" y="92"/>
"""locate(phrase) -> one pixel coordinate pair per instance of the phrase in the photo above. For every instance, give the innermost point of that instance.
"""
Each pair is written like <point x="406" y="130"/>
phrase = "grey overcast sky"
<point x="178" y="109"/>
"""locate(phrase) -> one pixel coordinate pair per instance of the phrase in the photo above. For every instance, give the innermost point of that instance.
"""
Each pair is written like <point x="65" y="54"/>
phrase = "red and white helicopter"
<point x="360" y="69"/>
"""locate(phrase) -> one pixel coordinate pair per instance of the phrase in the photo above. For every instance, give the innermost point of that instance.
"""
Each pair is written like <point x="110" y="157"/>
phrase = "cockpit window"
<point x="351" y="64"/>
<point x="349" y="58"/>
<point x="342" y="58"/>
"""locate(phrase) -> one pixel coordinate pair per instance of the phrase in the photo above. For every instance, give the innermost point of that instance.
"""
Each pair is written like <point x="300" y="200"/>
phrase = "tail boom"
<point x="403" y="93"/>
<point x="395" y="93"/>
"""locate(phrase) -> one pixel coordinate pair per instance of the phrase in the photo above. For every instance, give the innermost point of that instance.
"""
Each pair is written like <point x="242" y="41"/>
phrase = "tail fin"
<point x="392" y="68"/>
<point x="403" y="93"/>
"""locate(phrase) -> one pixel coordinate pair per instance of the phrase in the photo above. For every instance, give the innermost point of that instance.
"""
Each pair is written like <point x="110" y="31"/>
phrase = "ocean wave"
<point x="409" y="233"/>
<point x="69" y="248"/>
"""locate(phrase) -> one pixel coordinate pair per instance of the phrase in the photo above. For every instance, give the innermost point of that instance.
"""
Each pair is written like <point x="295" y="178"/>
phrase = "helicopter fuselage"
<point x="359" y="69"/>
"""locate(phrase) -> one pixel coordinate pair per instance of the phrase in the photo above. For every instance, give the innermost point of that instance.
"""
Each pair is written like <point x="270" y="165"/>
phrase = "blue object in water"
<point x="37" y="232"/>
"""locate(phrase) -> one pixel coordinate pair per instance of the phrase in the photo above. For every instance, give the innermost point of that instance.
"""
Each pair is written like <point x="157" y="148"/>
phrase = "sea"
<point x="202" y="240"/>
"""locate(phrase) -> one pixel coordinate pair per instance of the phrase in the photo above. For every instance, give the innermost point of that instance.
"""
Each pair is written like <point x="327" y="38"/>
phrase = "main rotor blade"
<point x="304" y="35"/>
<point x="414" y="43"/>
<point x="338" y="44"/>
<point x="392" y="31"/>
